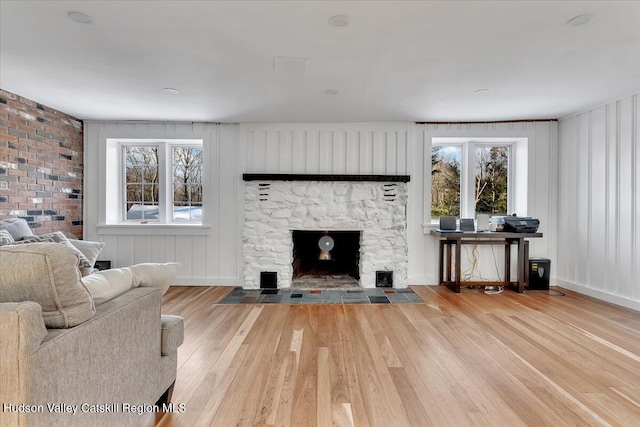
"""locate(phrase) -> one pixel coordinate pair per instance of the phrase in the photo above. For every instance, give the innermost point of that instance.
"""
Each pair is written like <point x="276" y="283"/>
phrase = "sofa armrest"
<point x="172" y="335"/>
<point x="22" y="329"/>
<point x="21" y="333"/>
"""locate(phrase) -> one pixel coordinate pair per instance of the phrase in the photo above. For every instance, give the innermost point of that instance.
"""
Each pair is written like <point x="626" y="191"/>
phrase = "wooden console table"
<point x="459" y="238"/>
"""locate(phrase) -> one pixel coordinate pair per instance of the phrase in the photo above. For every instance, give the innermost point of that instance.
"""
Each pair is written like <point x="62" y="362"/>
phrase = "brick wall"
<point x="41" y="165"/>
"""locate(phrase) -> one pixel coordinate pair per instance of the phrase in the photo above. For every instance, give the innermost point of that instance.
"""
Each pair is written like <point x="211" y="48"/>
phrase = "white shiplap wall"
<point x="542" y="185"/>
<point x="366" y="148"/>
<point x="599" y="209"/>
<point x="349" y="148"/>
<point x="208" y="256"/>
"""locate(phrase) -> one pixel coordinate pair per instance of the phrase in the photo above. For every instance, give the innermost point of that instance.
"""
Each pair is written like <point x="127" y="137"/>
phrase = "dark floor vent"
<point x="268" y="280"/>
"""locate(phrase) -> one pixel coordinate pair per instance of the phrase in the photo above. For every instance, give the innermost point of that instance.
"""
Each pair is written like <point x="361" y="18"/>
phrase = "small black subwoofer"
<point x="268" y="280"/>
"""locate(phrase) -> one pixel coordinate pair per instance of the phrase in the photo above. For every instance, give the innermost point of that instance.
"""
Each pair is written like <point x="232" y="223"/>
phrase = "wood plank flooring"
<point x="458" y="360"/>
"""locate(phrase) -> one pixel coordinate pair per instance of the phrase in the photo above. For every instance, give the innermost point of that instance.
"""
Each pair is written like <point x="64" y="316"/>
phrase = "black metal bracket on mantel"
<point x="322" y="177"/>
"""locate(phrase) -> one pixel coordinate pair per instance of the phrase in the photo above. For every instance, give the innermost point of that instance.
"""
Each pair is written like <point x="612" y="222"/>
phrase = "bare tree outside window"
<point x="141" y="182"/>
<point x="187" y="182"/>
<point x="491" y="183"/>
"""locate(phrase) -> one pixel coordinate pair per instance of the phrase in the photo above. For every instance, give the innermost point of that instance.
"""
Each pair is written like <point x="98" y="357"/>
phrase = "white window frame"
<point x="517" y="173"/>
<point x="165" y="216"/>
<point x="169" y="193"/>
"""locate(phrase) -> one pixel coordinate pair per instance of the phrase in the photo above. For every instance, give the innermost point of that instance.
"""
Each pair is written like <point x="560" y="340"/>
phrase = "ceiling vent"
<point x="291" y="66"/>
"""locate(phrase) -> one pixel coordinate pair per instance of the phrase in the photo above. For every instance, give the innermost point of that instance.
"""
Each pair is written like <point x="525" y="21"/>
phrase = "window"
<point x="471" y="177"/>
<point x="161" y="181"/>
<point x="141" y="181"/>
<point x="445" y="180"/>
<point x="491" y="179"/>
<point x="186" y="166"/>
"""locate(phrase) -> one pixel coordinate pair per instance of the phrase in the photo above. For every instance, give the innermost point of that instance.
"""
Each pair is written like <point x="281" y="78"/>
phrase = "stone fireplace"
<point x="282" y="208"/>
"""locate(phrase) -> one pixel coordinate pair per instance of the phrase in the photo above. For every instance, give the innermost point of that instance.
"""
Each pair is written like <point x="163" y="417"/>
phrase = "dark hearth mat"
<point x="324" y="296"/>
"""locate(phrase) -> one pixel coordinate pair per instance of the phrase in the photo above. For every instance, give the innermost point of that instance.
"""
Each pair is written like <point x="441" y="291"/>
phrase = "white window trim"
<point x="517" y="178"/>
<point x="164" y="218"/>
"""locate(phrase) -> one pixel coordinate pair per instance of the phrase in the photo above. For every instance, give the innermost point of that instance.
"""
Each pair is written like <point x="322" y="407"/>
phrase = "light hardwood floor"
<point x="459" y="359"/>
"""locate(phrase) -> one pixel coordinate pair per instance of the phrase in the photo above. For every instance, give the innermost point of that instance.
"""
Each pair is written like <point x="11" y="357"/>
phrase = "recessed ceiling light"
<point x="481" y="91"/>
<point x="339" y="21"/>
<point x="330" y="92"/>
<point x="171" y="90"/>
<point x="579" y="20"/>
<point x="80" y="18"/>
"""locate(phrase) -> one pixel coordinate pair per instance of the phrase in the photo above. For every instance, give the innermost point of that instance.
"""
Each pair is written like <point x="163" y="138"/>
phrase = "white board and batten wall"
<point x="599" y="204"/>
<point x="207" y="254"/>
<point x="212" y="255"/>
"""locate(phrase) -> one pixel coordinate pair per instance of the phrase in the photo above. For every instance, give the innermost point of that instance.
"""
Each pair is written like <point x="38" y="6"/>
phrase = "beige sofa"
<point x="108" y="370"/>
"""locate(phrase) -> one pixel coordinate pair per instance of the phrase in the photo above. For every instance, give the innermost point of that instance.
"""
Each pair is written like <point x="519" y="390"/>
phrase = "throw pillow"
<point x="34" y="239"/>
<point x="108" y="284"/>
<point x="6" y="238"/>
<point x="17" y="227"/>
<point x="58" y="237"/>
<point x="156" y="275"/>
<point x="46" y="273"/>
<point x="90" y="250"/>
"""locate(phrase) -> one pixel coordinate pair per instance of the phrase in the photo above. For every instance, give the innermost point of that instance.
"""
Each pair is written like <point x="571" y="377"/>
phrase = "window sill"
<point x="155" y="229"/>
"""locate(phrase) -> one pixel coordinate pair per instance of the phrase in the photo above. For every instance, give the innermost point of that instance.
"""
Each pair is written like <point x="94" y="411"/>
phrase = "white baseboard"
<point x="604" y="296"/>
<point x="422" y="281"/>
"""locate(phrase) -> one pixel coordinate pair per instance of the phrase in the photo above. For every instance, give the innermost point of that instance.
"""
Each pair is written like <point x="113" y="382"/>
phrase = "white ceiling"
<point x="396" y="61"/>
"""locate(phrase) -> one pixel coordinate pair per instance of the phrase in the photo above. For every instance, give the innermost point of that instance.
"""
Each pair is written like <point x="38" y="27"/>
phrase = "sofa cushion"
<point x="172" y="333"/>
<point x="5" y="238"/>
<point x="17" y="227"/>
<point x="46" y="273"/>
<point x="156" y="275"/>
<point x="108" y="284"/>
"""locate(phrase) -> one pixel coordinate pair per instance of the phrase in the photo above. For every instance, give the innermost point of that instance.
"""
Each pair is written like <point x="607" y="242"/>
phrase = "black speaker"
<point x="539" y="272"/>
<point x="467" y="224"/>
<point x="447" y="223"/>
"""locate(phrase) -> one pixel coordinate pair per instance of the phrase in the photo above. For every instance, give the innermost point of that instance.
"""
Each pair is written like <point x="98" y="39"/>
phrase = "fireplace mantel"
<point x="323" y="177"/>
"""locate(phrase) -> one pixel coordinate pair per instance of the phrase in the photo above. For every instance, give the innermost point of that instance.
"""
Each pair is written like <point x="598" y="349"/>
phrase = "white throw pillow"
<point x="107" y="284"/>
<point x="156" y="275"/>
<point x="91" y="250"/>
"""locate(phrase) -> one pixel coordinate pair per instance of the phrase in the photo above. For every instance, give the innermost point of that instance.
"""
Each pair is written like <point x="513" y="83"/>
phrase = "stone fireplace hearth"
<point x="372" y="206"/>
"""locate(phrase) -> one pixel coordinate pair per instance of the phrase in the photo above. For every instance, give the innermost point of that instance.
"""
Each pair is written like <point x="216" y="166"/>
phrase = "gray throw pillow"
<point x="17" y="227"/>
<point x="89" y="249"/>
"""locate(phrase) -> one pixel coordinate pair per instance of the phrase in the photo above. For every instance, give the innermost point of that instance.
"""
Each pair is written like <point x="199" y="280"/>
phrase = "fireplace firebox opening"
<point x="309" y="258"/>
